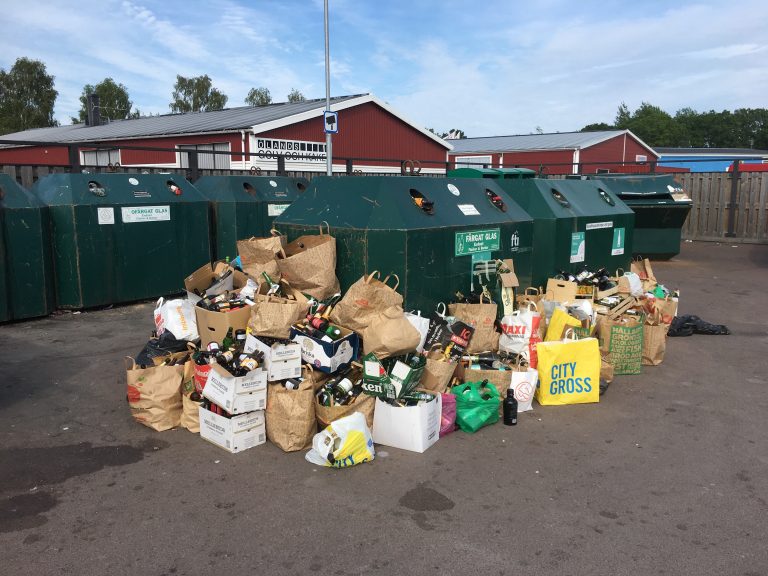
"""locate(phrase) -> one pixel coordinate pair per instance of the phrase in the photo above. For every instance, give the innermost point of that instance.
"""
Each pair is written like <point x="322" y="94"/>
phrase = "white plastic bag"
<point x="344" y="442"/>
<point x="524" y="385"/>
<point x="421" y="324"/>
<point x="635" y="284"/>
<point x="517" y="328"/>
<point x="176" y="317"/>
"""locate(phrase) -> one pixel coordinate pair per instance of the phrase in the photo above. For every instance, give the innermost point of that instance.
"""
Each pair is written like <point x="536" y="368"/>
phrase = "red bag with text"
<point x="520" y="333"/>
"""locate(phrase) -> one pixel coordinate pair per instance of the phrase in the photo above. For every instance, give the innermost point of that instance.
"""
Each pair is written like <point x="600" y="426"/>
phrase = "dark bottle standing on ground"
<point x="510" y="408"/>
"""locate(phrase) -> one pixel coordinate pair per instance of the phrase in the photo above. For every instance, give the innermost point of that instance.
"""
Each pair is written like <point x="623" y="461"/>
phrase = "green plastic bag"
<point x="477" y="405"/>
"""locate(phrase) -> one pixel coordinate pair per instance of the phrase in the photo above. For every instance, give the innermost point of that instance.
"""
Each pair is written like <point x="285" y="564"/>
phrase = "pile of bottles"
<point x="317" y="323"/>
<point x="600" y="278"/>
<point x="341" y="390"/>
<point x="230" y="354"/>
<point x="220" y="297"/>
<point x="495" y="361"/>
<point x="212" y="407"/>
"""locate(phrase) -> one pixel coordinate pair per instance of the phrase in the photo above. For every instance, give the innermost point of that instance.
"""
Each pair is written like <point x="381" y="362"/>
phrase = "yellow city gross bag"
<point x="569" y="371"/>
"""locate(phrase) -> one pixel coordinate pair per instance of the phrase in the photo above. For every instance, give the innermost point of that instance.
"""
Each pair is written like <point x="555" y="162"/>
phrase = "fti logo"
<point x="514" y="243"/>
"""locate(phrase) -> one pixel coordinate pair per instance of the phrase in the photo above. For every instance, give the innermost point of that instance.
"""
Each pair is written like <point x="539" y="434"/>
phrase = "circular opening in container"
<point x="604" y="195"/>
<point x="453" y="189"/>
<point x="557" y="195"/>
<point x="301" y="186"/>
<point x="249" y="189"/>
<point x="495" y="199"/>
<point x="173" y="187"/>
<point x="96" y="189"/>
<point x="422" y="201"/>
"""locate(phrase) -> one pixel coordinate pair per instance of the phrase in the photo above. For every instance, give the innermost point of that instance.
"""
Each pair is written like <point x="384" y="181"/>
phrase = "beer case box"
<point x="234" y="434"/>
<point x="204" y="276"/>
<point x="328" y="357"/>
<point x="237" y="394"/>
<point x="281" y="361"/>
<point x="413" y="428"/>
<point x="213" y="326"/>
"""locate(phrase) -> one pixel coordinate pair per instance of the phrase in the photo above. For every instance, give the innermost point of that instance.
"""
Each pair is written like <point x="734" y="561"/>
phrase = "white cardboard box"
<point x="413" y="428"/>
<point x="237" y="395"/>
<point x="281" y="361"/>
<point x="234" y="434"/>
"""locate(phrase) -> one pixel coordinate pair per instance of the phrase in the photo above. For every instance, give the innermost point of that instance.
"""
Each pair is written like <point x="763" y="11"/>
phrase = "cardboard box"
<point x="281" y="361"/>
<point x="237" y="395"/>
<point x="509" y="279"/>
<point x="234" y="434"/>
<point x="327" y="357"/>
<point x="202" y="278"/>
<point x="413" y="428"/>
<point x="561" y="290"/>
<point x="213" y="326"/>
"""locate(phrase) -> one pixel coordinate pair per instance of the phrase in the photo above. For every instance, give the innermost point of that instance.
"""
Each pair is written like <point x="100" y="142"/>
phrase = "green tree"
<point x="623" y="117"/>
<point x="597" y="126"/>
<point x="654" y="126"/>
<point x="295" y="96"/>
<point x="27" y="97"/>
<point x="196" y="95"/>
<point x="258" y="97"/>
<point x="114" y="103"/>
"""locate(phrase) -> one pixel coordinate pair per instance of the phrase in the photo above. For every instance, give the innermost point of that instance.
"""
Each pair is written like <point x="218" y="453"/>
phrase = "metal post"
<point x="194" y="167"/>
<point x="350" y="166"/>
<point x="653" y="167"/>
<point x="281" y="165"/>
<point x="732" y="205"/>
<point x="328" y="143"/>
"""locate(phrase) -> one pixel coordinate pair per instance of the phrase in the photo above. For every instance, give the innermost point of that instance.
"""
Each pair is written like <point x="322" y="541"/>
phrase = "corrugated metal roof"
<point x="713" y="151"/>
<point x="557" y="141"/>
<point x="194" y="122"/>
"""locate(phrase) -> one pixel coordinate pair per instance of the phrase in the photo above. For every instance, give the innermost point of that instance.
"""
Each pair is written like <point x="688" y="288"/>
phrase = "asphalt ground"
<point x="668" y="474"/>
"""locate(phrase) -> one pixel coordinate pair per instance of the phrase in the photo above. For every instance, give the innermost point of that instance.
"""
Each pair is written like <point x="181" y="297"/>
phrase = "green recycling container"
<point x="26" y="272"/>
<point x="492" y="173"/>
<point x="245" y="206"/>
<point x="661" y="207"/>
<point x="123" y="237"/>
<point x="577" y="223"/>
<point x="383" y="223"/>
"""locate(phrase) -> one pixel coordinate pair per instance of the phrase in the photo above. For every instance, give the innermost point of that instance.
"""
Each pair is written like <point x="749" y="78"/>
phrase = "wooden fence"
<point x="708" y="220"/>
<point x="711" y="195"/>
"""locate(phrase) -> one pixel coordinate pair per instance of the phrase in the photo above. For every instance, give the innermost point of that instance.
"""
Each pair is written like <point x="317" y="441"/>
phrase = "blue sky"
<point x="489" y="68"/>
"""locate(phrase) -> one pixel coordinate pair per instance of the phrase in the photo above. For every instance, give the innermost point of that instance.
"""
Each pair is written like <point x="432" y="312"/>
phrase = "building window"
<point x="472" y="161"/>
<point x="100" y="158"/>
<point x="207" y="161"/>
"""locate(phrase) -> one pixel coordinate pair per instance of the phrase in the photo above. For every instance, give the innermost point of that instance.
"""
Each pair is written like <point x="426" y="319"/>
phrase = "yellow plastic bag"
<point x="345" y="442"/>
<point x="558" y="323"/>
<point x="569" y="372"/>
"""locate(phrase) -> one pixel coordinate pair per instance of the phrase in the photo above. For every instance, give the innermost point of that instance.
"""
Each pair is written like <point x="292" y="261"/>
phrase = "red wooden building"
<point x="560" y="153"/>
<point x="376" y="137"/>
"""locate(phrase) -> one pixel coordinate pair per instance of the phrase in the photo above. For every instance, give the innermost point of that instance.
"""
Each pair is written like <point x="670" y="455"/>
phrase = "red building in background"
<point x="560" y="153"/>
<point x="374" y="135"/>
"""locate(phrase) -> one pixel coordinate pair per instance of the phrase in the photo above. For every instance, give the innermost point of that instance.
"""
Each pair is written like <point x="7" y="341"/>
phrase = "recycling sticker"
<point x="617" y="247"/>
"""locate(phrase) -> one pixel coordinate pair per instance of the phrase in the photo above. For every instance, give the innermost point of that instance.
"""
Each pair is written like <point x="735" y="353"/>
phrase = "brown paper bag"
<point x="482" y="318"/>
<point x="363" y="403"/>
<point x="154" y="394"/>
<point x="250" y="250"/>
<point x="390" y="334"/>
<point x="531" y="295"/>
<point x="273" y="316"/>
<point x="261" y="261"/>
<point x="606" y="369"/>
<point x="642" y="267"/>
<point x="437" y="375"/>
<point x="290" y="416"/>
<point x="561" y="290"/>
<point x="310" y="264"/>
<point x="622" y="338"/>
<point x="364" y="300"/>
<point x="654" y="339"/>
<point x="190" y="417"/>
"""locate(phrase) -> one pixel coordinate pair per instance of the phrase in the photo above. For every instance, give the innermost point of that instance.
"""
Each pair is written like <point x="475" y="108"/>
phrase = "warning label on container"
<point x="597" y="225"/>
<point x="105" y="214"/>
<point x="468" y="209"/>
<point x="276" y="209"/>
<point x="146" y="214"/>
<point x="472" y="242"/>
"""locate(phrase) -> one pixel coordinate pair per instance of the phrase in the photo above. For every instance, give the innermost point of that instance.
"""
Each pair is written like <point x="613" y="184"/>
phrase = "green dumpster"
<point x="577" y="223"/>
<point x="438" y="235"/>
<point x="123" y="237"/>
<point x="516" y="173"/>
<point x="26" y="273"/>
<point x="661" y="207"/>
<point x="491" y="173"/>
<point x="245" y="206"/>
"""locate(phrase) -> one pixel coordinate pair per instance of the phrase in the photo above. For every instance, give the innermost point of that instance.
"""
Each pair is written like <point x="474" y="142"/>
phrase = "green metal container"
<point x="245" y="206"/>
<point x="492" y="173"/>
<point x="516" y="173"/>
<point x="26" y="272"/>
<point x="378" y="225"/>
<point x="660" y="207"/>
<point x="123" y="237"/>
